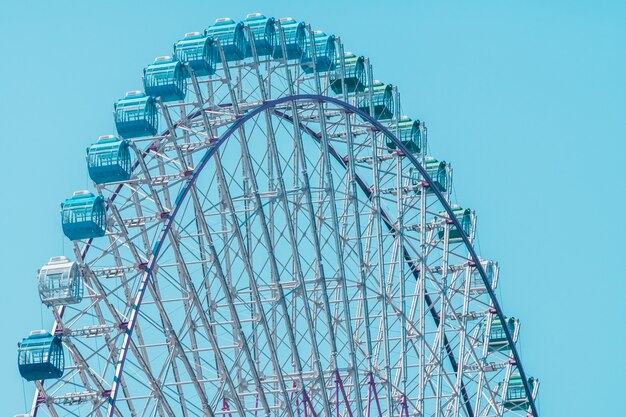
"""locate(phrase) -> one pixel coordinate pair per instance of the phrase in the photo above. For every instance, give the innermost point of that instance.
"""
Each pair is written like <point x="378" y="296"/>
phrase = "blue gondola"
<point x="108" y="160"/>
<point x="294" y="37"/>
<point x="325" y="54"/>
<point x="497" y="335"/>
<point x="515" y="398"/>
<point x="382" y="100"/>
<point x="40" y="356"/>
<point x="264" y="32"/>
<point x="465" y="217"/>
<point x="354" y="79"/>
<point x="199" y="52"/>
<point x="60" y="282"/>
<point x="411" y="134"/>
<point x="165" y="78"/>
<point x="438" y="171"/>
<point x="231" y="37"/>
<point x="136" y="115"/>
<point x="83" y="216"/>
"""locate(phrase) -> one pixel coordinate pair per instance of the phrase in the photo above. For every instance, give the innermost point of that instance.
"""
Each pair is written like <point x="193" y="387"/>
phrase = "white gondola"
<point x="60" y="282"/>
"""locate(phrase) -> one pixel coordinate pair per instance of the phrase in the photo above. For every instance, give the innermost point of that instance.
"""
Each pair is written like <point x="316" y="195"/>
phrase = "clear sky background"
<point x="526" y="99"/>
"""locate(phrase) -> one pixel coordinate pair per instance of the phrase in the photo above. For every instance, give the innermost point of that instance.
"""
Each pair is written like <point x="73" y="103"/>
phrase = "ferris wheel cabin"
<point x="497" y="335"/>
<point x="263" y="31"/>
<point x="136" y="115"/>
<point x="294" y="37"/>
<point x="325" y="54"/>
<point x="198" y="51"/>
<point x="467" y="219"/>
<point x="477" y="285"/>
<point x="381" y="100"/>
<point x="40" y="356"/>
<point x="354" y="78"/>
<point x="438" y="171"/>
<point x="60" y="282"/>
<point x="515" y="397"/>
<point x="411" y="133"/>
<point x="109" y="160"/>
<point x="165" y="78"/>
<point x="231" y="38"/>
<point x="83" y="216"/>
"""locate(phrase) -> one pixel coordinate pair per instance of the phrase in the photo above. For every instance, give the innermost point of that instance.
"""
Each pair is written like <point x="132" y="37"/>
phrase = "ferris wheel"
<point x="267" y="235"/>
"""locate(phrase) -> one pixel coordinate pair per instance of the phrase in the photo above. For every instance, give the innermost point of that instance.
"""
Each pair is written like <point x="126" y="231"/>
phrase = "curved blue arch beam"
<point x="211" y="152"/>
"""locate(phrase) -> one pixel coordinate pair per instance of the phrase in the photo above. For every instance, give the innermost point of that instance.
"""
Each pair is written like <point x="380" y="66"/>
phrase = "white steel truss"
<point x="306" y="271"/>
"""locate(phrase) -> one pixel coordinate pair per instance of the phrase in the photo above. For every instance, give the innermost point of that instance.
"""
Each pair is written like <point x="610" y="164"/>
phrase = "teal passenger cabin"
<point x="515" y="397"/>
<point x="325" y="54"/>
<point x="40" y="356"/>
<point x="465" y="217"/>
<point x="109" y="160"/>
<point x="355" y="77"/>
<point x="165" y="78"/>
<point x="83" y="216"/>
<point x="497" y="335"/>
<point x="438" y="171"/>
<point x="382" y="101"/>
<point x="409" y="132"/>
<point x="136" y="115"/>
<point x="294" y="35"/>
<point x="199" y="52"/>
<point x="263" y="31"/>
<point x="231" y="37"/>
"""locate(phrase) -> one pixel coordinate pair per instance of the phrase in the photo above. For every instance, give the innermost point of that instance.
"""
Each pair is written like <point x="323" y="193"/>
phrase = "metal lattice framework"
<point x="280" y="251"/>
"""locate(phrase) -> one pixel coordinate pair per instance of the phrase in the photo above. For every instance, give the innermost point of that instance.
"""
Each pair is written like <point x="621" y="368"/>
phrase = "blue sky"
<point x="526" y="99"/>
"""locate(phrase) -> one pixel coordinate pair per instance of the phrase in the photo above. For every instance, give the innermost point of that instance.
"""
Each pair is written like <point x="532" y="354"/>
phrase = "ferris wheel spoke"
<point x="185" y="279"/>
<point x="384" y="325"/>
<point x="111" y="345"/>
<point x="191" y="290"/>
<point x="340" y="259"/>
<point x="399" y="259"/>
<point x="461" y="352"/>
<point x="167" y="325"/>
<point x="363" y="287"/>
<point x="293" y="245"/>
<point x="459" y="329"/>
<point x="303" y="177"/>
<point x="252" y="281"/>
<point x="229" y="300"/>
<point x="176" y="343"/>
<point x="156" y="388"/>
<point x="359" y="232"/>
<point x="316" y="233"/>
<point x="290" y="219"/>
<point x="179" y="391"/>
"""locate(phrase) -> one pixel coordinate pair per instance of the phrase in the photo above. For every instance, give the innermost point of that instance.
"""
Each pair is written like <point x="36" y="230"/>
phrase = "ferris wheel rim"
<point x="212" y="151"/>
